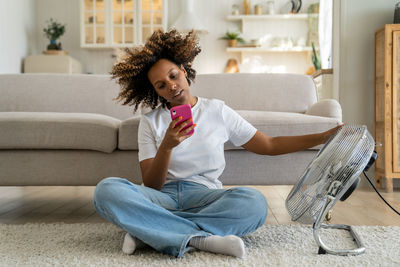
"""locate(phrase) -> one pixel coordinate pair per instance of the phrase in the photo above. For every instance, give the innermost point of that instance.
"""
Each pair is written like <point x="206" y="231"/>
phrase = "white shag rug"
<point x="99" y="244"/>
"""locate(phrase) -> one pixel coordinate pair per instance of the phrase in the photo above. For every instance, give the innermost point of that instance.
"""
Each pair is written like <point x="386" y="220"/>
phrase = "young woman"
<point x="181" y="204"/>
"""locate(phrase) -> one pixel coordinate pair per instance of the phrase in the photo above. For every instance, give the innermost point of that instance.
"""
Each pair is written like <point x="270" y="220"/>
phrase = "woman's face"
<point x="170" y="82"/>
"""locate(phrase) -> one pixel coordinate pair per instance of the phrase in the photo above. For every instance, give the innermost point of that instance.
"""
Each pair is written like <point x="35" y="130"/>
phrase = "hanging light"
<point x="188" y="19"/>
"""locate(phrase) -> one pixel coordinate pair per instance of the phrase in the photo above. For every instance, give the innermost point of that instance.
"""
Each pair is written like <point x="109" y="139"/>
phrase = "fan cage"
<point x="341" y="160"/>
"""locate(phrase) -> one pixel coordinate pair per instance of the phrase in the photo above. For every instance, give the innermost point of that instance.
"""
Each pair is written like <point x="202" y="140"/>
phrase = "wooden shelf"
<point x="95" y="24"/>
<point x="98" y="46"/>
<point x="244" y="18"/>
<point x="266" y="17"/>
<point x="123" y="25"/>
<point x="241" y="50"/>
<point x="56" y="52"/>
<point x="268" y="49"/>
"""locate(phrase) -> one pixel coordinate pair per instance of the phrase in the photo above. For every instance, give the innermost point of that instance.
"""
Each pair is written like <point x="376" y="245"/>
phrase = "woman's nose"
<point x="172" y="86"/>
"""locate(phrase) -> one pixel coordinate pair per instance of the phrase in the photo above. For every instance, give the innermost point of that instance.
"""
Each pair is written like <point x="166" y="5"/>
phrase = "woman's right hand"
<point x="174" y="134"/>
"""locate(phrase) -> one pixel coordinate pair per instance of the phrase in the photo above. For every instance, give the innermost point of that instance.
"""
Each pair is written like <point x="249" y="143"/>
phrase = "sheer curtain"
<point x="325" y="33"/>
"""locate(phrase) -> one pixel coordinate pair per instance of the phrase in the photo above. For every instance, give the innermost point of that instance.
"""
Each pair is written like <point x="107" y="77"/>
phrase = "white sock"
<point x="228" y="245"/>
<point x="131" y="244"/>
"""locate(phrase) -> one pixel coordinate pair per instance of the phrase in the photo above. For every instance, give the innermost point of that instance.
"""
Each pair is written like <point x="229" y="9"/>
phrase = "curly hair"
<point x="131" y="71"/>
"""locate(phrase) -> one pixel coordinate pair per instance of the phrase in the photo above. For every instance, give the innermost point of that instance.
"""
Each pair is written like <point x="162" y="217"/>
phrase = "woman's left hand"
<point x="326" y="135"/>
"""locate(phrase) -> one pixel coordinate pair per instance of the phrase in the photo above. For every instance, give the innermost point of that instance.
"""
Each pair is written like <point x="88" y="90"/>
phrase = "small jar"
<point x="235" y="10"/>
<point x="246" y="7"/>
<point x="271" y="7"/>
<point x="258" y="9"/>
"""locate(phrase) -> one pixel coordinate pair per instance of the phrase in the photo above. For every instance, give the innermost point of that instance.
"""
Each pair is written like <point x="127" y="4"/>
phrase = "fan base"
<point x="323" y="249"/>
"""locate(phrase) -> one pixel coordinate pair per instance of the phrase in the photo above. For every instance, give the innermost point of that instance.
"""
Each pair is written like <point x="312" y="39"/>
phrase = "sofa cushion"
<point x="270" y="123"/>
<point x="128" y="134"/>
<point x="326" y="108"/>
<point x="50" y="130"/>
<point x="286" y="124"/>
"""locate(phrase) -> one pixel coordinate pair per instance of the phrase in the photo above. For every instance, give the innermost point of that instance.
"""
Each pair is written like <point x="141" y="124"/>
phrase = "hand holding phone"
<point x="184" y="111"/>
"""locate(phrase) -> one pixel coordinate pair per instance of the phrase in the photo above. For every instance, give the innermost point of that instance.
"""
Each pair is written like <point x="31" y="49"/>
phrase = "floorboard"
<point x="73" y="204"/>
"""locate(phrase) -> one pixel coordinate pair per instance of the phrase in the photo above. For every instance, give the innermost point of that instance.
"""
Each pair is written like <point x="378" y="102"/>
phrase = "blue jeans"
<point x="167" y="219"/>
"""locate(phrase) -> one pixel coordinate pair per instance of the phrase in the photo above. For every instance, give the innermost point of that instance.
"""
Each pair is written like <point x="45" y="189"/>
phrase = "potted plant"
<point x="53" y="31"/>
<point x="233" y="38"/>
<point x="315" y="58"/>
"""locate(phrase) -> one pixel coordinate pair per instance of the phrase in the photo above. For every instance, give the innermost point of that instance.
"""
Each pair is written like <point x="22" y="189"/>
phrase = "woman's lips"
<point x="178" y="93"/>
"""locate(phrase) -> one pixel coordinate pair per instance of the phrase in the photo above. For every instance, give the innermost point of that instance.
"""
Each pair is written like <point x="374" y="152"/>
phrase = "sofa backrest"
<point x="94" y="93"/>
<point x="259" y="91"/>
<point x="78" y="93"/>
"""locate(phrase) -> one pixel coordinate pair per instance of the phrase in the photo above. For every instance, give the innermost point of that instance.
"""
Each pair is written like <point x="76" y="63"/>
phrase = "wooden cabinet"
<point x="387" y="104"/>
<point x="120" y="23"/>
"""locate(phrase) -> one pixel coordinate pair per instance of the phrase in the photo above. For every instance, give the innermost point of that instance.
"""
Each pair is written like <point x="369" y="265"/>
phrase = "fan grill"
<point x="342" y="159"/>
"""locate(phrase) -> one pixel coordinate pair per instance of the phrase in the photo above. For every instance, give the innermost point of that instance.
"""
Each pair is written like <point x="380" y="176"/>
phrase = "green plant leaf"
<point x="315" y="58"/>
<point x="54" y="29"/>
<point x="232" y="36"/>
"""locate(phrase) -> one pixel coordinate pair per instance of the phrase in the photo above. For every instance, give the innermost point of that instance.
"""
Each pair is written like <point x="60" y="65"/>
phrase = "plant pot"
<point x="54" y="46"/>
<point x="232" y="43"/>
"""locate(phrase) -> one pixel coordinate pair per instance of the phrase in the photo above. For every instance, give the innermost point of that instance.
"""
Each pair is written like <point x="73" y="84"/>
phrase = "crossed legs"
<point x="168" y="220"/>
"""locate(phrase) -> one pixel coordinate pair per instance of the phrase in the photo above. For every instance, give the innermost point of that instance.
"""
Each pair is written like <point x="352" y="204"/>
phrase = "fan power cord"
<point x="380" y="194"/>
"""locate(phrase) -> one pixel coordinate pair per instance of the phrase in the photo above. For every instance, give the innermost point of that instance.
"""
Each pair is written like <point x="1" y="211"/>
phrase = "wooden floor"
<point x="48" y="204"/>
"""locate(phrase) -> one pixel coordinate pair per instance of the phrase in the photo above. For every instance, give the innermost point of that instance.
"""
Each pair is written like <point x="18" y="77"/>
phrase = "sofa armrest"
<point x="326" y="108"/>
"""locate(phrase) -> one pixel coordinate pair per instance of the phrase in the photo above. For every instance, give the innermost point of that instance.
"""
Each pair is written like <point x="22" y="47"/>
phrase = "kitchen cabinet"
<point x="120" y="23"/>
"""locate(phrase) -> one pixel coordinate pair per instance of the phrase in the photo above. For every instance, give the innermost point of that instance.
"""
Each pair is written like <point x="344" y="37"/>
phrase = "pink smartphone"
<point x="186" y="112"/>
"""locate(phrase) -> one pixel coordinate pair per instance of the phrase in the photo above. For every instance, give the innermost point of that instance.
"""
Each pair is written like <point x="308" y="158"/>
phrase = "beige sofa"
<point x="60" y="129"/>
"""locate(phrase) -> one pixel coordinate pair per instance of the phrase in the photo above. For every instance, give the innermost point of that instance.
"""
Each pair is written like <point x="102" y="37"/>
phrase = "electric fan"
<point x="332" y="175"/>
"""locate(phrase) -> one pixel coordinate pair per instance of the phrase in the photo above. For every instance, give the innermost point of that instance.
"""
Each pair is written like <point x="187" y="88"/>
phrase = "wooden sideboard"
<point x="387" y="104"/>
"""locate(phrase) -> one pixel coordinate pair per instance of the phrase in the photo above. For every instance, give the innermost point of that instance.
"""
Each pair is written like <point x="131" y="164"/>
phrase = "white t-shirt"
<point x="199" y="158"/>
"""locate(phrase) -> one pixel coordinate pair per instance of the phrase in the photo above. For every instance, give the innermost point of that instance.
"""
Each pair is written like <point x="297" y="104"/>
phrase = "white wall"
<point x="358" y="23"/>
<point x="212" y="13"/>
<point x="212" y="59"/>
<point x="93" y="60"/>
<point x="17" y="38"/>
<point x="22" y="23"/>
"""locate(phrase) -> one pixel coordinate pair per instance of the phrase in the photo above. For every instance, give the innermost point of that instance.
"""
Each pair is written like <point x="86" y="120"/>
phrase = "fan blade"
<point x="351" y="189"/>
<point x="371" y="161"/>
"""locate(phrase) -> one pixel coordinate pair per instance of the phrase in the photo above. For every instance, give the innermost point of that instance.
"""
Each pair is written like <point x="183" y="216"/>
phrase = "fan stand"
<point x="323" y="249"/>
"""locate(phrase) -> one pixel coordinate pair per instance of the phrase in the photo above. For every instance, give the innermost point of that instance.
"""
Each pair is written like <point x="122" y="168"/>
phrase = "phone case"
<point x="186" y="112"/>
